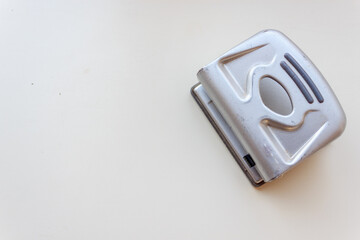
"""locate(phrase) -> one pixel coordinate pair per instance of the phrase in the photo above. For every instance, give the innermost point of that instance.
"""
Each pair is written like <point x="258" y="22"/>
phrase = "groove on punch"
<point x="305" y="76"/>
<point x="297" y="81"/>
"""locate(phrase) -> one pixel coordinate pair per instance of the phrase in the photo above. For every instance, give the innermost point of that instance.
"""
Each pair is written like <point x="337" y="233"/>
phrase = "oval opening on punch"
<point x="274" y="96"/>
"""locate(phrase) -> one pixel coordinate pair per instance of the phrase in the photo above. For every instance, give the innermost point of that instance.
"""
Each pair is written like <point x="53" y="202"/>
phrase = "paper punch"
<point x="270" y="105"/>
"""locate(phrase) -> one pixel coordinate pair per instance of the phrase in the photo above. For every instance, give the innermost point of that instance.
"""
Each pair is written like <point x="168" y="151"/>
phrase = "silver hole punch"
<point x="270" y="105"/>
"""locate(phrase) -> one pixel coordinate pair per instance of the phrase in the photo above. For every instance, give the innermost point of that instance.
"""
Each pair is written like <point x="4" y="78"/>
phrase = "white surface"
<point x="100" y="138"/>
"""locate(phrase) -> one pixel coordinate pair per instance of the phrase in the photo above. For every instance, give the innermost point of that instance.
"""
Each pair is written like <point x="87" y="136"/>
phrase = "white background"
<point x="101" y="139"/>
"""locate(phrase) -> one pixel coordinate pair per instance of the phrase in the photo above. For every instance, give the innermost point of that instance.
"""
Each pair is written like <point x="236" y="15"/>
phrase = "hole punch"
<point x="237" y="90"/>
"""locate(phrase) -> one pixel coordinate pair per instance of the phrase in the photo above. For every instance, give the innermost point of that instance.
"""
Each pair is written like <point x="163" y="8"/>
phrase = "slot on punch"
<point x="269" y="104"/>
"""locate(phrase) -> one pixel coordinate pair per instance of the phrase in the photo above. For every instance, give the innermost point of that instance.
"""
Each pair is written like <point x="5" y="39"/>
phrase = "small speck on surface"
<point x="32" y="83"/>
<point x="59" y="93"/>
